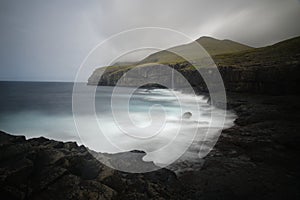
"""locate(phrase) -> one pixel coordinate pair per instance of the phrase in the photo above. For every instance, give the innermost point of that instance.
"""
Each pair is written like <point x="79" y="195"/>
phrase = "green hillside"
<point x="211" y="45"/>
<point x="284" y="53"/>
<point x="215" y="47"/>
<point x="224" y="53"/>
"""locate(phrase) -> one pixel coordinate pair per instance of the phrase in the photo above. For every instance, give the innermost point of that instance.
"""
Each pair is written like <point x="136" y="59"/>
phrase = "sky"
<point x="47" y="40"/>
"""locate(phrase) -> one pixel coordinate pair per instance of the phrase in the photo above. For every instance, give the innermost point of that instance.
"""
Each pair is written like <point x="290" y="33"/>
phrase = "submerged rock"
<point x="187" y="115"/>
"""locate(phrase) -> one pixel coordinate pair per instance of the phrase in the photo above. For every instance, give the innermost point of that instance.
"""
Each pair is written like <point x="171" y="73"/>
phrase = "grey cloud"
<point x="47" y="40"/>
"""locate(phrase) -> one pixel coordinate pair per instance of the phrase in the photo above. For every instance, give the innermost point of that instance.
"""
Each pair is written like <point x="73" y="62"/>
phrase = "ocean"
<point x="36" y="109"/>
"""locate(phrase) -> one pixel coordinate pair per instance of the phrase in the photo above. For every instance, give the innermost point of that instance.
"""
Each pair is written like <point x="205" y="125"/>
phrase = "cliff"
<point x="273" y="69"/>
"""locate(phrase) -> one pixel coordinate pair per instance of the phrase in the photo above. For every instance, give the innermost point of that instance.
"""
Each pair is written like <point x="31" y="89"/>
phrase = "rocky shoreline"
<point x="40" y="168"/>
<point x="255" y="159"/>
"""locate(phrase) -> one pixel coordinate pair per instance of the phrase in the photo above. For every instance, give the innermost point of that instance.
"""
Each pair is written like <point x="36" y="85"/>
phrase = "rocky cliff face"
<point x="255" y="79"/>
<point x="263" y="80"/>
<point x="268" y="70"/>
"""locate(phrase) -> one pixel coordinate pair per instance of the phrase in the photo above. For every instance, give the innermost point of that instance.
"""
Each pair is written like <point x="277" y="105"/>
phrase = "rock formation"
<point x="40" y="168"/>
<point x="272" y="70"/>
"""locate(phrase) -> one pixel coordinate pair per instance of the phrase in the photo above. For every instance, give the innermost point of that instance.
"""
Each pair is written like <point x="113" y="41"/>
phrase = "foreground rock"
<point x="258" y="158"/>
<point x="45" y="169"/>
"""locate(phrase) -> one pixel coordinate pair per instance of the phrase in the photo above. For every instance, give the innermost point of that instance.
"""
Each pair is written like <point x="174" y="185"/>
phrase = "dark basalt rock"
<point x="257" y="158"/>
<point x="46" y="169"/>
<point x="276" y="79"/>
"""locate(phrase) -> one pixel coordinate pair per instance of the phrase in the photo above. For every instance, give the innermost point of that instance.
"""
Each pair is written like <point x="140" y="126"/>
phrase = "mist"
<point x="48" y="40"/>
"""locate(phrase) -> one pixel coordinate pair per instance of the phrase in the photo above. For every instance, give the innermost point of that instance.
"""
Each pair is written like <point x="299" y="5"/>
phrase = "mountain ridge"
<point x="211" y="45"/>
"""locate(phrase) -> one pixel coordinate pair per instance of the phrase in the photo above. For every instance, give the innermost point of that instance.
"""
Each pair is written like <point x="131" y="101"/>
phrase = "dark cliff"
<point x="273" y="69"/>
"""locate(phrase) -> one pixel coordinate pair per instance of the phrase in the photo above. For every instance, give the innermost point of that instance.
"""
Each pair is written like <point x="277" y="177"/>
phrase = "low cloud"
<point x="47" y="40"/>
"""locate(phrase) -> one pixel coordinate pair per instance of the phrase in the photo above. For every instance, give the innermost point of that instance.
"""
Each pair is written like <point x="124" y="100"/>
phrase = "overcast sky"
<point x="48" y="39"/>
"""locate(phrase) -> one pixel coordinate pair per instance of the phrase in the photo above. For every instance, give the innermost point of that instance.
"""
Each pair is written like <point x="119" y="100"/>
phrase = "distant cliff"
<point x="273" y="69"/>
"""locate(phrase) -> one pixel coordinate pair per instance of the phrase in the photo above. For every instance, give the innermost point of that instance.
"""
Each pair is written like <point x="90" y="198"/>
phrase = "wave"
<point x="108" y="135"/>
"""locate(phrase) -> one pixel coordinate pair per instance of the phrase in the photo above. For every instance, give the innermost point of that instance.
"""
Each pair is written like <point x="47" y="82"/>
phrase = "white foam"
<point x="62" y="127"/>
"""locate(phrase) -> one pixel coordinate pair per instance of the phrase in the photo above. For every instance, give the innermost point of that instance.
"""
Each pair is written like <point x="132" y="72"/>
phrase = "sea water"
<point x="37" y="109"/>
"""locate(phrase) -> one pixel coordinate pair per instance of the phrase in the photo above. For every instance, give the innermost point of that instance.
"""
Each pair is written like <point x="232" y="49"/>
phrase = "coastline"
<point x="40" y="168"/>
<point x="256" y="158"/>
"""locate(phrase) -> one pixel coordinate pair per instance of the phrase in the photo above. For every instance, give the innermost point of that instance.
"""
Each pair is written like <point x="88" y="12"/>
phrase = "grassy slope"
<point x="285" y="52"/>
<point x="227" y="53"/>
<point x="211" y="45"/>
